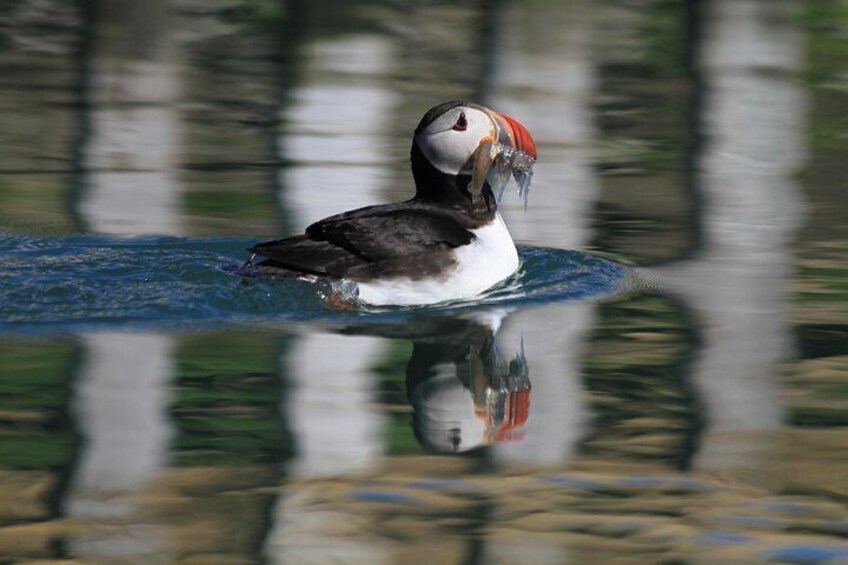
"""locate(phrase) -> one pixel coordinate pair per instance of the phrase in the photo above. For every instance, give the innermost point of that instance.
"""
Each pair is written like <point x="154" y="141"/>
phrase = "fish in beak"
<point x="509" y="151"/>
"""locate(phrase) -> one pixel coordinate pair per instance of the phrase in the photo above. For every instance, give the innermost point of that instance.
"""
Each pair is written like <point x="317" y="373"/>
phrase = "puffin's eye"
<point x="461" y="123"/>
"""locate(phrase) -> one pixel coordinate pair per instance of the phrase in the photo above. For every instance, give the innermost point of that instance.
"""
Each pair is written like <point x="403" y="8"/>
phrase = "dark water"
<point x="94" y="282"/>
<point x="665" y="380"/>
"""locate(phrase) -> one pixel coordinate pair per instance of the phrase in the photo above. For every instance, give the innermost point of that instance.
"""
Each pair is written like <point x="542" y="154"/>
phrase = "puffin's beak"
<point x="515" y="134"/>
<point x="509" y="132"/>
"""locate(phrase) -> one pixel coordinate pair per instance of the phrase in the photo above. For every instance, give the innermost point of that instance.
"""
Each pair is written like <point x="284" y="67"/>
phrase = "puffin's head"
<point x="464" y="143"/>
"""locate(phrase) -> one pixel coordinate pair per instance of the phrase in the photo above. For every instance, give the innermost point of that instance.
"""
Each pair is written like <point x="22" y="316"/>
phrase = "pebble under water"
<point x="89" y="281"/>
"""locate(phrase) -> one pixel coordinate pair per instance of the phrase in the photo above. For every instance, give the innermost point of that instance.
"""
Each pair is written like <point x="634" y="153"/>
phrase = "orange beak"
<point x="509" y="132"/>
<point x="518" y="134"/>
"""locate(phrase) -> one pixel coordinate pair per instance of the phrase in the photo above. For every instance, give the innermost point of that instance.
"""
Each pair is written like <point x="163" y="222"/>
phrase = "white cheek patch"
<point x="449" y="150"/>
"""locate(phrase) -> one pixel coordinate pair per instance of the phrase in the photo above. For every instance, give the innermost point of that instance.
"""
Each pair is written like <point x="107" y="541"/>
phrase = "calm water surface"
<point x="665" y="381"/>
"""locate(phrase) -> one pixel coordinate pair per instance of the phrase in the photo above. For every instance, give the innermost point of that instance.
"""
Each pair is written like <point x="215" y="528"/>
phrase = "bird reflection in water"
<point x="465" y="392"/>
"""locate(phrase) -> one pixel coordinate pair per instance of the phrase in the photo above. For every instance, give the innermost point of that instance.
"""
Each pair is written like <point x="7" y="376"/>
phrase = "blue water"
<point x="90" y="281"/>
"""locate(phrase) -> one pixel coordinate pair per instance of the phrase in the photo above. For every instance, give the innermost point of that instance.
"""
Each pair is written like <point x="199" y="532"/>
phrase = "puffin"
<point x="446" y="243"/>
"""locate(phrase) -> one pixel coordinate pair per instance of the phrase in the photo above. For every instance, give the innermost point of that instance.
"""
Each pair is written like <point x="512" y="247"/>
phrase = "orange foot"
<point x="338" y="300"/>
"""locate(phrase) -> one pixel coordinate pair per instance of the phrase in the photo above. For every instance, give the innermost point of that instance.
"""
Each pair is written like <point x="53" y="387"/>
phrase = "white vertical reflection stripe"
<point x="557" y="111"/>
<point x="131" y="187"/>
<point x="738" y="285"/>
<point x="334" y="135"/>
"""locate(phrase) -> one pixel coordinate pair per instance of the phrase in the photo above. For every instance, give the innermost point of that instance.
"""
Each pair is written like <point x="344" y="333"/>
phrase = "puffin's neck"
<point x="435" y="187"/>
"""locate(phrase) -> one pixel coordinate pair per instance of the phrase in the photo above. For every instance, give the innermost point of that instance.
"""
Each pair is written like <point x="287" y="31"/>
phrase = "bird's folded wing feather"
<point x="348" y="241"/>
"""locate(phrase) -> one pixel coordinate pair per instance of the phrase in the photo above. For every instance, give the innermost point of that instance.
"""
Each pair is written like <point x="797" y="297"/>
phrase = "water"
<point x="664" y="380"/>
<point x="89" y="282"/>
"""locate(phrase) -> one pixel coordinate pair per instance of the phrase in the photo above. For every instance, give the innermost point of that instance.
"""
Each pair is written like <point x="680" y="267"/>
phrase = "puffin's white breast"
<point x="487" y="260"/>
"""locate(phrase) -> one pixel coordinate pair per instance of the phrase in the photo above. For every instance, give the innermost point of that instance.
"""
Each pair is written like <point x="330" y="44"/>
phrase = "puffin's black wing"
<point x="301" y="254"/>
<point x="370" y="242"/>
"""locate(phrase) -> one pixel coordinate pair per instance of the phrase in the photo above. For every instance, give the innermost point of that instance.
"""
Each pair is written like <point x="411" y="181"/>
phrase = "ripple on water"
<point x="63" y="283"/>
